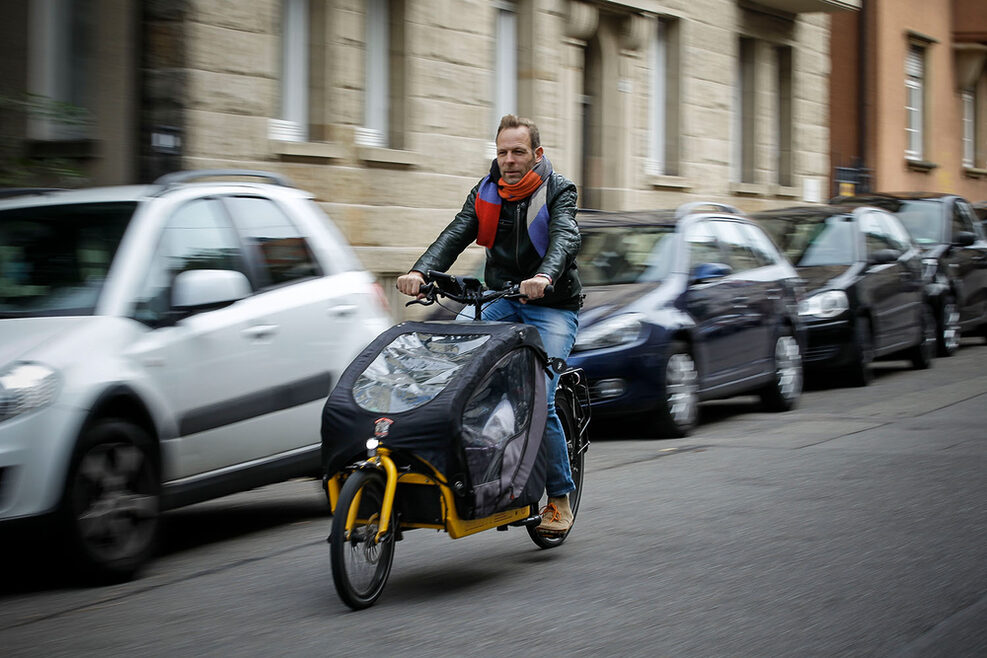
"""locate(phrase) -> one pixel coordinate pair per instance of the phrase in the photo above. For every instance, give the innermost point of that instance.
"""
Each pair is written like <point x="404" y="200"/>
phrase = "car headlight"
<point x="25" y="386"/>
<point x="826" y="304"/>
<point x="611" y="332"/>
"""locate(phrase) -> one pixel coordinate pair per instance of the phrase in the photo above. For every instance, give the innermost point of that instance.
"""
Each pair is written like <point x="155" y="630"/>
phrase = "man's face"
<point x="514" y="154"/>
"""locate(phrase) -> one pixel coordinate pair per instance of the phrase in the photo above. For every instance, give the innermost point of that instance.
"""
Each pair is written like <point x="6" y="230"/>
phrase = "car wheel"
<point x="783" y="392"/>
<point x="922" y="354"/>
<point x="679" y="408"/>
<point x="859" y="372"/>
<point x="948" y="328"/>
<point x="111" y="502"/>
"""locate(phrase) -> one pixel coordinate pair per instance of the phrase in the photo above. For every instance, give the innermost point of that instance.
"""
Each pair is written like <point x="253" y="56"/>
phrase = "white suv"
<point x="163" y="345"/>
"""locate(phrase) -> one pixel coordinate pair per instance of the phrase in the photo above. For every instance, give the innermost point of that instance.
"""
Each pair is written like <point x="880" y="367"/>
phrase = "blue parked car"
<point x="683" y="306"/>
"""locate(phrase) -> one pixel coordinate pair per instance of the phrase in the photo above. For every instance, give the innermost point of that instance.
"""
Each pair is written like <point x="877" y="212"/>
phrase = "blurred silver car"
<point x="166" y="344"/>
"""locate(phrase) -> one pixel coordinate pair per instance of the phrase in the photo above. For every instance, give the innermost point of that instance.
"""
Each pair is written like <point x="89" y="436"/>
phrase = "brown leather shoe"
<point x="556" y="516"/>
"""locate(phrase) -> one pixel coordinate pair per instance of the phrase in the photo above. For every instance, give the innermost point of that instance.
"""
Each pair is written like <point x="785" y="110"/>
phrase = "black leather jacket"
<point x="513" y="258"/>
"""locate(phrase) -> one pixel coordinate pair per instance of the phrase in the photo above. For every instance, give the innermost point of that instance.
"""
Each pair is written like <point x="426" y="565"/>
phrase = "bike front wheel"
<point x="360" y="562"/>
<point x="576" y="464"/>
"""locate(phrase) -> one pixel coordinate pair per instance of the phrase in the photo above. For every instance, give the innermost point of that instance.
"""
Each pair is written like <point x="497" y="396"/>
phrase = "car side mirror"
<point x="964" y="239"/>
<point x="883" y="256"/>
<point x="199" y="290"/>
<point x="708" y="271"/>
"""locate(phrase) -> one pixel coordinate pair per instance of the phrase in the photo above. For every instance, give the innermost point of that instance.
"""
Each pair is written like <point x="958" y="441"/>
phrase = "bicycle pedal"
<point x="528" y="522"/>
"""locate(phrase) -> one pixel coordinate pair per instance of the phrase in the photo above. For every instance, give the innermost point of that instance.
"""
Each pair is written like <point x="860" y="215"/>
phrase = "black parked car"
<point x="947" y="229"/>
<point x="865" y="294"/>
<point x="683" y="306"/>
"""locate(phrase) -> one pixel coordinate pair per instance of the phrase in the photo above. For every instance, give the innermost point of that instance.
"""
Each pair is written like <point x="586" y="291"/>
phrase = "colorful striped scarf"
<point x="490" y="196"/>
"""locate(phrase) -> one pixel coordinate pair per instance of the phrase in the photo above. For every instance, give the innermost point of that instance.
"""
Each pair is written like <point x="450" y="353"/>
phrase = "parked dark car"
<point x="683" y="306"/>
<point x="946" y="227"/>
<point x="865" y="294"/>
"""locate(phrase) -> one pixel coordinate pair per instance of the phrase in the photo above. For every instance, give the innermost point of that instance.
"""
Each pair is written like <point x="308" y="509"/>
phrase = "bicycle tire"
<point x="360" y="565"/>
<point x="576" y="465"/>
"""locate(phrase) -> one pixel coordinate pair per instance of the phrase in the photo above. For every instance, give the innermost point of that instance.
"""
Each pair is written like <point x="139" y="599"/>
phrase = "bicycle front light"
<point x="825" y="305"/>
<point x="618" y="330"/>
<point x="25" y="386"/>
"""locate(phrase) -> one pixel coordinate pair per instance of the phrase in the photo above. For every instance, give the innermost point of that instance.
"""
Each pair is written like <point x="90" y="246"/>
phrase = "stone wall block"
<point x="233" y="94"/>
<point x="232" y="51"/>
<point x="262" y="16"/>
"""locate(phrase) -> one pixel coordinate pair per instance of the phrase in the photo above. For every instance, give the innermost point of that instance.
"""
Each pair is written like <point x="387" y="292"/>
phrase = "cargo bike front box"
<point x="464" y="400"/>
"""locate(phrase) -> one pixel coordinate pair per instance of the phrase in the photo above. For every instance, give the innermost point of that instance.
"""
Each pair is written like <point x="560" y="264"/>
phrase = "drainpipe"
<point x="862" y="86"/>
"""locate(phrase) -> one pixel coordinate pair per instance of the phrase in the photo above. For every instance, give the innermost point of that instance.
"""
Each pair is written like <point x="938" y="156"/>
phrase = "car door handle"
<point x="740" y="302"/>
<point x="260" y="331"/>
<point x="341" y="310"/>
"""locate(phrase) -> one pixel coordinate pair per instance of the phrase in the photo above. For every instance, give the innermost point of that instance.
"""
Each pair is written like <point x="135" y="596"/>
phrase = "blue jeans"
<point x="557" y="328"/>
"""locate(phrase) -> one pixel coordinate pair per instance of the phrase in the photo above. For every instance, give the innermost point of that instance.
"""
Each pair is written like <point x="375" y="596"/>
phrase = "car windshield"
<point x="813" y="240"/>
<point x="925" y="220"/>
<point x="626" y="254"/>
<point x="54" y="259"/>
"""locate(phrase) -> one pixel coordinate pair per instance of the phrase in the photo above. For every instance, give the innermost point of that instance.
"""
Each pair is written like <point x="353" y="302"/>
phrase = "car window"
<point x="760" y="244"/>
<point x="54" y="259"/>
<point x="624" y="254"/>
<point x="282" y="252"/>
<point x="738" y="251"/>
<point x="703" y="246"/>
<point x="961" y="220"/>
<point x="875" y="231"/>
<point x="198" y="236"/>
<point x="923" y="220"/>
<point x="897" y="233"/>
<point x="810" y="239"/>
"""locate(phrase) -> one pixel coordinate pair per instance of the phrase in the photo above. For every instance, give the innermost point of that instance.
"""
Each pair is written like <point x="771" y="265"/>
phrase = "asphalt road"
<point x="854" y="525"/>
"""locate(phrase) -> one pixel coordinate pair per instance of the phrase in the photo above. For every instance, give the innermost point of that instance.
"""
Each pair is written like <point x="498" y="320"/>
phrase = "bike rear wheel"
<point x="563" y="408"/>
<point x="361" y="563"/>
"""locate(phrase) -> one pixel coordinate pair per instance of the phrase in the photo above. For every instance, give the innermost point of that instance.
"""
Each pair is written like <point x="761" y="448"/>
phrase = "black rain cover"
<point x="467" y="397"/>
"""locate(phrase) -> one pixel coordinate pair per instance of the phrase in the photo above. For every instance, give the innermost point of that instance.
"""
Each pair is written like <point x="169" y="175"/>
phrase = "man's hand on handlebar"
<point x="534" y="288"/>
<point x="410" y="283"/>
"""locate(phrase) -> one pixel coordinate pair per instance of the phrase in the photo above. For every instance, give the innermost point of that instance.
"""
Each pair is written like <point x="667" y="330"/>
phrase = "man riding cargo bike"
<point x="466" y="424"/>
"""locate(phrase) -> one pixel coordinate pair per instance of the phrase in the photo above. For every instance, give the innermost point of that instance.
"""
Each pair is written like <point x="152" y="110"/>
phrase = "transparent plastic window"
<point x="498" y="411"/>
<point x="413" y="369"/>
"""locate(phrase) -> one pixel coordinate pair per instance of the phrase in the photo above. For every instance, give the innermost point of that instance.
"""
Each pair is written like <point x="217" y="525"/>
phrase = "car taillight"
<point x="381" y="298"/>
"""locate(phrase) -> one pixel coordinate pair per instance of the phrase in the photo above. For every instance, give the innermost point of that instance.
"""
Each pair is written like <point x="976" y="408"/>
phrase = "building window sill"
<point x="784" y="192"/>
<point x="396" y="158"/>
<point x="659" y="181"/>
<point x="312" y="150"/>
<point x="974" y="172"/>
<point x="923" y="166"/>
<point x="748" y="189"/>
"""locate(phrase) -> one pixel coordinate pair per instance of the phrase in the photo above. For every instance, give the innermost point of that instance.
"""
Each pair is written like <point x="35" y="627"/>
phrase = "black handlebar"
<point x="466" y="290"/>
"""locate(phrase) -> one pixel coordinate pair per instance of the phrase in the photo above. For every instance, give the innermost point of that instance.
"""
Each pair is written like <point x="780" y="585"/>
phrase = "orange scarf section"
<point x="521" y="189"/>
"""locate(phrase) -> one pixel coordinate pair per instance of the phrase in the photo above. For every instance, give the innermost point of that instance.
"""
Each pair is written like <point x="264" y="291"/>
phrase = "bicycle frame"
<point x="453" y="524"/>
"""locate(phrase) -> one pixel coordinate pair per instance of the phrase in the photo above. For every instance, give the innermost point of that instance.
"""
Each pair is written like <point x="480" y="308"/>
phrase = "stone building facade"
<point x="386" y="109"/>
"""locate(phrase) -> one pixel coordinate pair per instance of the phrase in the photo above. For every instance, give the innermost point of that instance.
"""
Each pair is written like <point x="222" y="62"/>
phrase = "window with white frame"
<point x="968" y="98"/>
<point x="663" y="148"/>
<point x="292" y="124"/>
<point x="659" y="98"/>
<point x="744" y="125"/>
<point x="377" y="96"/>
<point x="505" y="60"/>
<point x="57" y="65"/>
<point x="385" y="115"/>
<point x="914" y="102"/>
<point x="783" y="118"/>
